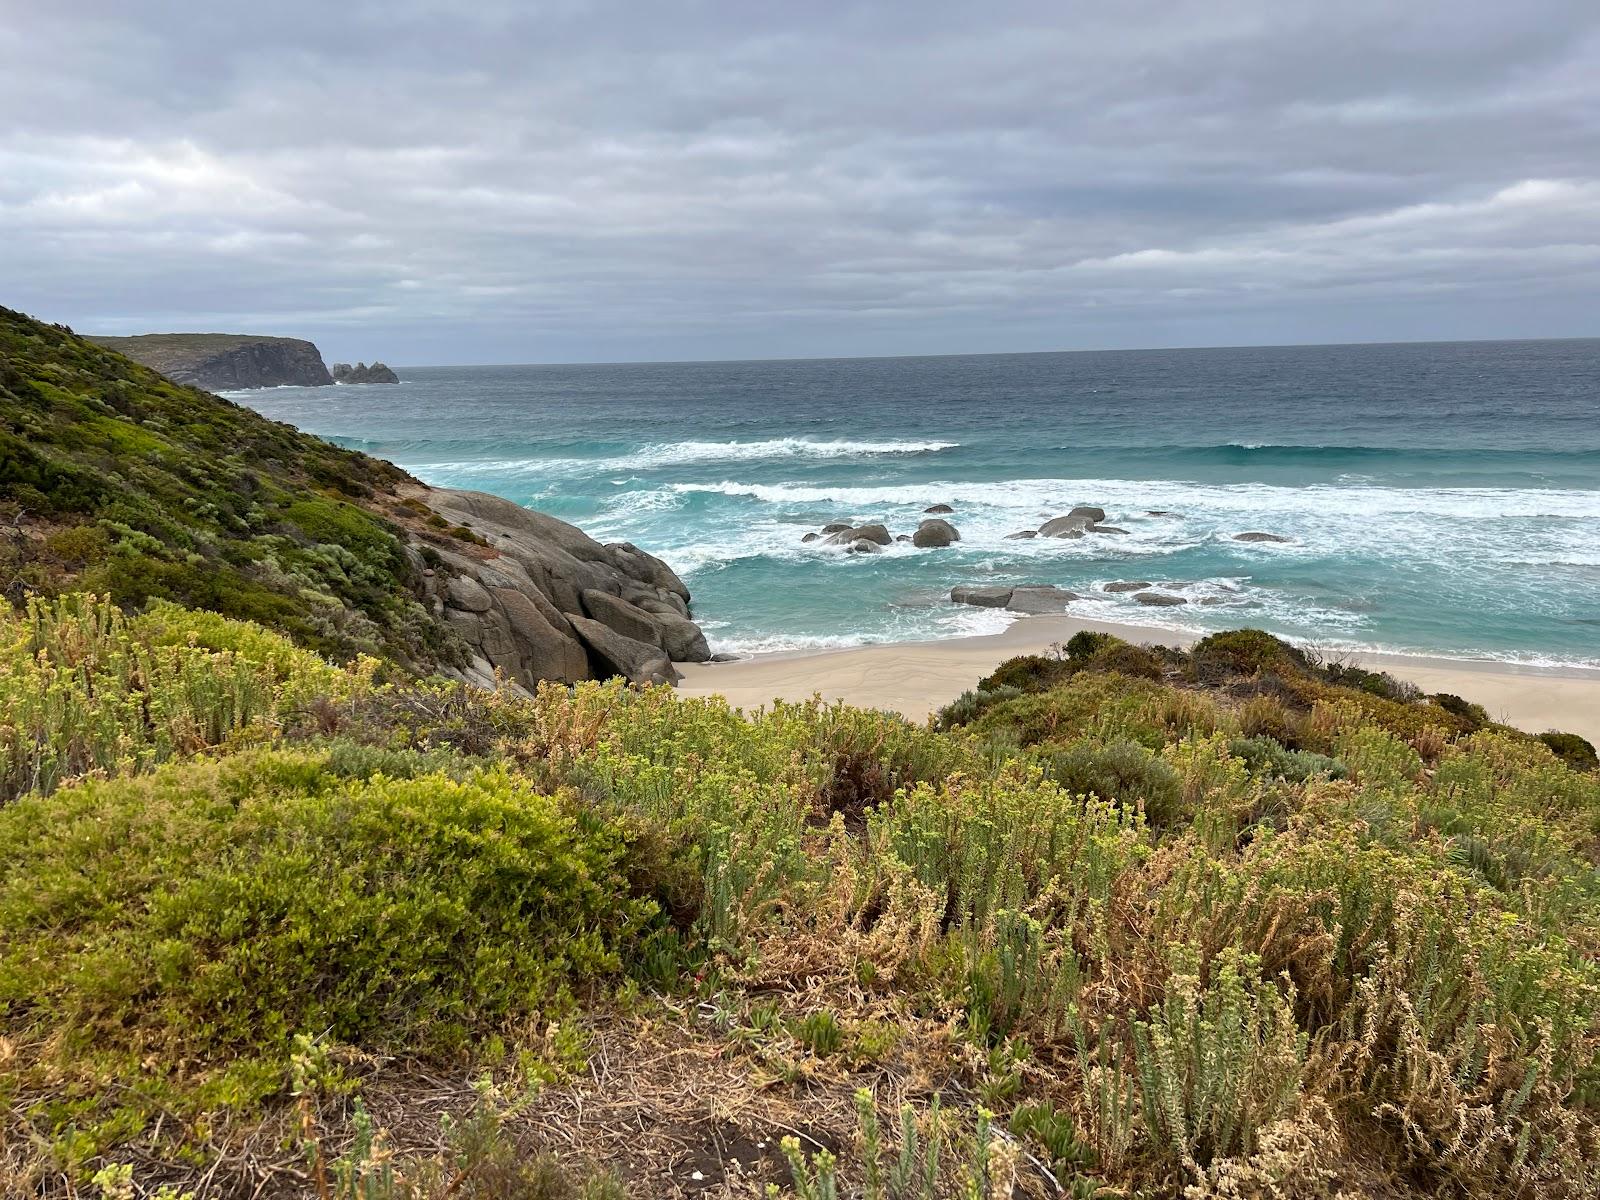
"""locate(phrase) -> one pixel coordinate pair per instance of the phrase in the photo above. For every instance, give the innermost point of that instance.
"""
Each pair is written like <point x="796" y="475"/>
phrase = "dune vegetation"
<point x="1122" y="922"/>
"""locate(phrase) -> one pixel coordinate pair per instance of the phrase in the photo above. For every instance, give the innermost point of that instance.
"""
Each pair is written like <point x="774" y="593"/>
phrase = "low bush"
<point x="1267" y="756"/>
<point x="1244" y="653"/>
<point x="1577" y="752"/>
<point x="1124" y="772"/>
<point x="208" y="912"/>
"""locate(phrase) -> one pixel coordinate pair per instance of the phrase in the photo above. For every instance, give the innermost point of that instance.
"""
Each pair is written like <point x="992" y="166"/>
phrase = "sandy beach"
<point x="917" y="678"/>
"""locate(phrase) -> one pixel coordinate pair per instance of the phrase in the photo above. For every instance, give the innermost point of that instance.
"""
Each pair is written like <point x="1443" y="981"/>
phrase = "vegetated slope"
<point x="117" y="480"/>
<point x="225" y="361"/>
<point x="1133" y="922"/>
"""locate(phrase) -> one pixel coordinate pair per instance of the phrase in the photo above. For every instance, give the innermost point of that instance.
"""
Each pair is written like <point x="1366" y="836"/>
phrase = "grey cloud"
<point x="508" y="181"/>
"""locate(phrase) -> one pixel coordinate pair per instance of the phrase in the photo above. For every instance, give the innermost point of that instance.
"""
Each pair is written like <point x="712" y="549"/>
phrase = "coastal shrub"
<point x="1475" y="715"/>
<point x="85" y="691"/>
<point x="1086" y="643"/>
<point x="1109" y="705"/>
<point x="1577" y="752"/>
<point x="1243" y="653"/>
<point x="1027" y="673"/>
<point x="1217" y="1061"/>
<point x="1124" y="772"/>
<point x="1267" y="756"/>
<point x="208" y="912"/>
<point x="970" y="705"/>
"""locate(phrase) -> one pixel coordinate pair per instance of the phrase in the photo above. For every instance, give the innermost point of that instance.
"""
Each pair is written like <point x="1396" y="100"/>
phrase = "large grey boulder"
<point x="682" y="639"/>
<point x="877" y="534"/>
<point x="1040" y="599"/>
<point x="1125" y="585"/>
<point x="935" y="533"/>
<point x="983" y="597"/>
<point x="1065" y="527"/>
<point x="625" y="618"/>
<point x="466" y="593"/>
<point x="612" y="653"/>
<point x="545" y="651"/>
<point x="1159" y="599"/>
<point x="517" y="601"/>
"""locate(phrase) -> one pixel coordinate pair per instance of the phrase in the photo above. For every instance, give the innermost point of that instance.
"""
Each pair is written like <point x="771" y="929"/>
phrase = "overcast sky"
<point x="430" y="181"/>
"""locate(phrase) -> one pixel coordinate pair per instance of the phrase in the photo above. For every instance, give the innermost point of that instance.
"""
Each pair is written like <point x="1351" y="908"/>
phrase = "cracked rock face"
<point x="542" y="600"/>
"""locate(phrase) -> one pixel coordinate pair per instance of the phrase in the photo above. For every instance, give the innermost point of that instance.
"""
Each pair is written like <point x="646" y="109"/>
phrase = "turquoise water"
<point x="1441" y="498"/>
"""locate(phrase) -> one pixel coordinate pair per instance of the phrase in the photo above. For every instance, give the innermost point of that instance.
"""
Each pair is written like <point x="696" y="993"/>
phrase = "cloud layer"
<point x="571" y="180"/>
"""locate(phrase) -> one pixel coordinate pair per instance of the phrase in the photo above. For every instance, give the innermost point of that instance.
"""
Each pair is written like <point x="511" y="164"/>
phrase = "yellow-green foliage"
<point x="1218" y="959"/>
<point x="85" y="691"/>
<point x="195" y="919"/>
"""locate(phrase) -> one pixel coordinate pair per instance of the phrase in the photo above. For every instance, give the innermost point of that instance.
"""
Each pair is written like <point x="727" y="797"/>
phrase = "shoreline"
<point x="916" y="679"/>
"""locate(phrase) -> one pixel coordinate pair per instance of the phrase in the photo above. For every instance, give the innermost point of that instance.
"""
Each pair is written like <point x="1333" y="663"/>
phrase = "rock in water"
<point x="1256" y="535"/>
<point x="1159" y="599"/>
<point x="361" y="373"/>
<point x="1068" y="526"/>
<point x="1095" y="515"/>
<point x="1040" y="599"/>
<point x="938" y="509"/>
<point x="935" y="533"/>
<point x="983" y="597"/>
<point x="1022" y="535"/>
<point x="1126" y="585"/>
<point x="1105" y="529"/>
<point x="861" y="533"/>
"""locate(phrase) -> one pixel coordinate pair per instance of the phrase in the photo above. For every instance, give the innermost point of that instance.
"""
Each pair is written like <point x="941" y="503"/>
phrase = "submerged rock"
<point x="1105" y="529"/>
<point x="863" y="546"/>
<point x="1159" y="599"/>
<point x="1256" y="535"/>
<point x="1125" y="585"/>
<point x="938" y="508"/>
<point x="1022" y="535"/>
<point x="935" y="533"/>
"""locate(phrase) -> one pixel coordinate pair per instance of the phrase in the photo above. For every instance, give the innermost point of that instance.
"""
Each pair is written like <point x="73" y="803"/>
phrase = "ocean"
<point x="1441" y="498"/>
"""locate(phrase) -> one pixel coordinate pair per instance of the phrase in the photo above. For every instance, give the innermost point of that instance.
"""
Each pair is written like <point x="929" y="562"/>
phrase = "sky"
<point x="427" y="181"/>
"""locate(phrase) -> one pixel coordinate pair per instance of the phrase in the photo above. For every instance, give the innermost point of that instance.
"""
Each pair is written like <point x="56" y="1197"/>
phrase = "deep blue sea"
<point x="1442" y="498"/>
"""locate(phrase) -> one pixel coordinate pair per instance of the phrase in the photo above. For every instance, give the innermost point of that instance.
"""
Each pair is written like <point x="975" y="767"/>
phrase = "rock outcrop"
<point x="361" y="373"/>
<point x="1159" y="599"/>
<point x="1028" y="599"/>
<point x="935" y="533"/>
<point x="225" y="362"/>
<point x="535" y="598"/>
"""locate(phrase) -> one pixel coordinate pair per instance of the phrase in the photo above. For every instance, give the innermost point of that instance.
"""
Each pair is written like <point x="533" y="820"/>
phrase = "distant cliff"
<point x="222" y="362"/>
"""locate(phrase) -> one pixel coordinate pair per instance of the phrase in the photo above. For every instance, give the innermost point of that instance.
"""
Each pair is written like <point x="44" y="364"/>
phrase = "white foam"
<point x="687" y="453"/>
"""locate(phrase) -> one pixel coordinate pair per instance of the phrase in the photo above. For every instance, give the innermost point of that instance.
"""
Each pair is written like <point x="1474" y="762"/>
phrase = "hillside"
<point x="1121" y="922"/>
<point x="115" y="480"/>
<point x="225" y="361"/>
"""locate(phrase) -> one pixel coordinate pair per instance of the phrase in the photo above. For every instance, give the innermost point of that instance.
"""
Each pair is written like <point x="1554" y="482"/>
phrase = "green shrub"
<point x="1578" y="753"/>
<point x="1120" y="771"/>
<point x="84" y="691"/>
<point x="210" y="911"/>
<point x="1086" y="643"/>
<point x="970" y="705"/>
<point x="1266" y="756"/>
<point x="1243" y="654"/>
<point x="1027" y="673"/>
